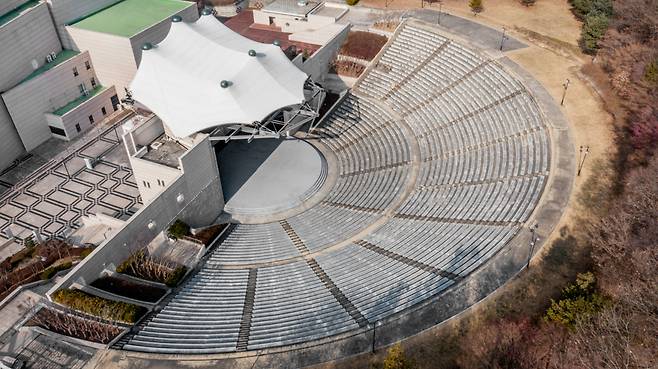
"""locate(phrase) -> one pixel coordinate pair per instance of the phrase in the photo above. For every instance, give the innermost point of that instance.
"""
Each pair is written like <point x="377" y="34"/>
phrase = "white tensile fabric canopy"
<point x="180" y="78"/>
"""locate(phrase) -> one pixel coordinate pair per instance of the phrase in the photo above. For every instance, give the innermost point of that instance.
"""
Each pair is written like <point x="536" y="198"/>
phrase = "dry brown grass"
<point x="363" y="45"/>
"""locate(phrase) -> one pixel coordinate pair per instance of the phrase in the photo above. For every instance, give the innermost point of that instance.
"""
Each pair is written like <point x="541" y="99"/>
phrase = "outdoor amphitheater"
<point x="433" y="171"/>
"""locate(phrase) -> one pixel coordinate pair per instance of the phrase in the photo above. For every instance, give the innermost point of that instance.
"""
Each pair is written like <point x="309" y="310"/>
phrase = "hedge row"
<point x="98" y="306"/>
<point x="51" y="271"/>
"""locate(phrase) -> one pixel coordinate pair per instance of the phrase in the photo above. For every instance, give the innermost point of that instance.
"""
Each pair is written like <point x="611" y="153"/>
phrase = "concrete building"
<point x="114" y="35"/>
<point x="48" y="83"/>
<point x="62" y="98"/>
<point x="27" y="37"/>
<point x="309" y="22"/>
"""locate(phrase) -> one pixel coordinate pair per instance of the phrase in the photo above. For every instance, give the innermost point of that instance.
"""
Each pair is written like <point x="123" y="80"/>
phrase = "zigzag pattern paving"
<point x="57" y="195"/>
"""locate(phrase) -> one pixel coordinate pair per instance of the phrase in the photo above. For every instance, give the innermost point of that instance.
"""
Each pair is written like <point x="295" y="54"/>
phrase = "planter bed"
<point x="74" y="326"/>
<point x="130" y="289"/>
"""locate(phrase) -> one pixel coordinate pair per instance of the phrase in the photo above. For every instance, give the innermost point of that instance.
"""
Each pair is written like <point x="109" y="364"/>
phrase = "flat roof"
<point x="5" y="18"/>
<point x="166" y="153"/>
<point x="62" y="56"/>
<point x="291" y="7"/>
<point x="129" y="17"/>
<point x="79" y="101"/>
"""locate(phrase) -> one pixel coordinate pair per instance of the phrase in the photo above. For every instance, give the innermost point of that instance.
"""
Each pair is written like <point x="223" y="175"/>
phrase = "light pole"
<point x="564" y="93"/>
<point x="584" y="150"/>
<point x="440" y="10"/>
<point x="374" y="336"/>
<point x="534" y="238"/>
<point x="502" y="39"/>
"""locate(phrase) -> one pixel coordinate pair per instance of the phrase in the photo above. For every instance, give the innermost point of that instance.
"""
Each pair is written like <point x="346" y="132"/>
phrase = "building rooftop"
<point x="62" y="56"/>
<point x="5" y="18"/>
<point x="79" y="101"/>
<point x="129" y="17"/>
<point x="298" y="8"/>
<point x="165" y="151"/>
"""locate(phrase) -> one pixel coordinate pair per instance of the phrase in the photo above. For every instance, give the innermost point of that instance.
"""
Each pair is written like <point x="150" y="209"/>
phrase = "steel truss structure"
<point x="283" y="122"/>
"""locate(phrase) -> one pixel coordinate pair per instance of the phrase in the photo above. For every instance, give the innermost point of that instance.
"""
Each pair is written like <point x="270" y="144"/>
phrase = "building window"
<point x="146" y="184"/>
<point x="87" y="65"/>
<point x="115" y="102"/>
<point x="93" y="82"/>
<point x="161" y="183"/>
<point x="103" y="110"/>
<point x="82" y="88"/>
<point x="75" y="72"/>
<point x="91" y="119"/>
<point x="77" y="127"/>
<point x="57" y="131"/>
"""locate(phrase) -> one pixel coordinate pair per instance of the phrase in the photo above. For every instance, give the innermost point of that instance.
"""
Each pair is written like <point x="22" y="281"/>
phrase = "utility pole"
<point x="534" y="238"/>
<point x="564" y="93"/>
<point x="502" y="39"/>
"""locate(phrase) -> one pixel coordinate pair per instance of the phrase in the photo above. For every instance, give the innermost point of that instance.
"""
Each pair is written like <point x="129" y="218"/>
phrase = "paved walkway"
<point x="55" y="196"/>
<point x="479" y="35"/>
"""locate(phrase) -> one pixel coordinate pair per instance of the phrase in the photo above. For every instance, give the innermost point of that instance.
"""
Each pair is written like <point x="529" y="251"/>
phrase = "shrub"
<point x="351" y="2"/>
<point x="51" y="271"/>
<point x="86" y="252"/>
<point x="396" y="359"/>
<point x="347" y="68"/>
<point x="579" y="301"/>
<point x="594" y="28"/>
<point x="581" y="8"/>
<point x="98" y="306"/>
<point x="89" y="329"/>
<point x="29" y="242"/>
<point x="144" y="266"/>
<point x="476" y="6"/>
<point x="178" y="229"/>
<point x="528" y="2"/>
<point x="651" y="72"/>
<point x="176" y="276"/>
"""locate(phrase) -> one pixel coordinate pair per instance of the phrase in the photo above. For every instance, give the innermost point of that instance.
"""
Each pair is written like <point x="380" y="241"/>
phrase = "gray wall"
<point x="8" y="5"/>
<point x="203" y="202"/>
<point x="317" y="66"/>
<point x="45" y="93"/>
<point x="67" y="11"/>
<point x="28" y="37"/>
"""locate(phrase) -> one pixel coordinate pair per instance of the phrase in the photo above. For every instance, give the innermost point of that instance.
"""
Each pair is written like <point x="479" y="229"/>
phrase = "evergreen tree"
<point x="476" y="6"/>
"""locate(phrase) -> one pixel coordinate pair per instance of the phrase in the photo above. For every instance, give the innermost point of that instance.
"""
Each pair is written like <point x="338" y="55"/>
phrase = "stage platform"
<point x="268" y="175"/>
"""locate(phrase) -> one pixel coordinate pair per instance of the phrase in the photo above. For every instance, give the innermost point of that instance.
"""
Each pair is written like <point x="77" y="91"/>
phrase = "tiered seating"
<point x="203" y="317"/>
<point x="292" y="305"/>
<point x="377" y="285"/>
<point x="249" y="243"/>
<point x="452" y="247"/>
<point x="484" y="160"/>
<point x="324" y="225"/>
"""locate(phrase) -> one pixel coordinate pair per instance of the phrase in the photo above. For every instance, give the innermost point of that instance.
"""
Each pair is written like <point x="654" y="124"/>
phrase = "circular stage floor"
<point x="269" y="175"/>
